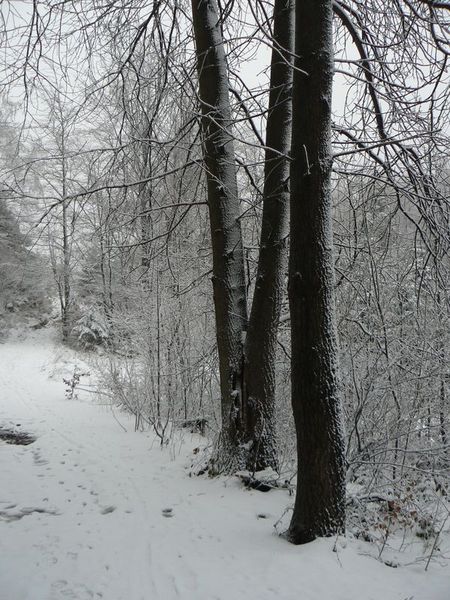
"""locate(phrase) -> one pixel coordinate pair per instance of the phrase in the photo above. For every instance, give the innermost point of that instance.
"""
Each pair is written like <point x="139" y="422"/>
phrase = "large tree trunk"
<point x="223" y="202"/>
<point x="320" y="500"/>
<point x="260" y="350"/>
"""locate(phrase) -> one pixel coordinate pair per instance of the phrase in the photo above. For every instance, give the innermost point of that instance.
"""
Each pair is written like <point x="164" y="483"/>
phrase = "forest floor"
<point x="93" y="509"/>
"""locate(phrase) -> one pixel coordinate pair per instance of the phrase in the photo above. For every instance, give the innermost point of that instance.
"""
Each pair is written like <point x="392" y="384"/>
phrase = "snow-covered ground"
<point x="84" y="512"/>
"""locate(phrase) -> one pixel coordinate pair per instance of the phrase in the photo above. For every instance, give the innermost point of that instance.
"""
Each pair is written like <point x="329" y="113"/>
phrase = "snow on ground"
<point x="84" y="512"/>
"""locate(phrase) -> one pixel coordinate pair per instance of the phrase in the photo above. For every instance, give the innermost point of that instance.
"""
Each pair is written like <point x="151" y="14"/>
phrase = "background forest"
<point x="105" y="224"/>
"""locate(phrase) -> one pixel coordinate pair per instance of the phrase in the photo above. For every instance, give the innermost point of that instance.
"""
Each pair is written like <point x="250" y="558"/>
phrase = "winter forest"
<point x="224" y="299"/>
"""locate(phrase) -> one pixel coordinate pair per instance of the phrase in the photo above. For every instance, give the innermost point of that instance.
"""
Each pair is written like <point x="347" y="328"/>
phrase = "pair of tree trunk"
<point x="247" y="345"/>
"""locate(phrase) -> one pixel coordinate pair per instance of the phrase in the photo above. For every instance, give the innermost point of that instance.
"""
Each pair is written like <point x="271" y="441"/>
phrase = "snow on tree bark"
<point x="320" y="501"/>
<point x="247" y="360"/>
<point x="223" y="201"/>
<point x="265" y="313"/>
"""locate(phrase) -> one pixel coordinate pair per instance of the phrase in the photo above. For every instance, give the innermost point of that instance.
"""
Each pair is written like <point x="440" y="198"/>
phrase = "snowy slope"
<point x="81" y="512"/>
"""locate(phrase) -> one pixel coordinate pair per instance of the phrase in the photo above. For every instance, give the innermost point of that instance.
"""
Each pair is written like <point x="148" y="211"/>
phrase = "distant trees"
<point x="23" y="276"/>
<point x="13" y="251"/>
<point x="23" y="273"/>
<point x="56" y="167"/>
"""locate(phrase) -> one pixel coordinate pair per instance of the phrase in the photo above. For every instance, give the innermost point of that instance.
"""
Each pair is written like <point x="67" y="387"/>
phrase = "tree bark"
<point x="145" y="196"/>
<point x="320" y="501"/>
<point x="260" y="349"/>
<point x="247" y="360"/>
<point x="66" y="298"/>
<point x="229" y="289"/>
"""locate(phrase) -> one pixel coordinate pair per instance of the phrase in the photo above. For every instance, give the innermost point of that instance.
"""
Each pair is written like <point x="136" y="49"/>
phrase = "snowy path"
<point x="81" y="514"/>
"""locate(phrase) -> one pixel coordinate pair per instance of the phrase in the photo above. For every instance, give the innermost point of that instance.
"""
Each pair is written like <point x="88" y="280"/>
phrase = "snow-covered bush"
<point x="90" y="331"/>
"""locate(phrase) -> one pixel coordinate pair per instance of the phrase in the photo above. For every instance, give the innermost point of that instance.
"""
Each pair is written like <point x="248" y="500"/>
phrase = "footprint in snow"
<point x="107" y="510"/>
<point x="77" y="591"/>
